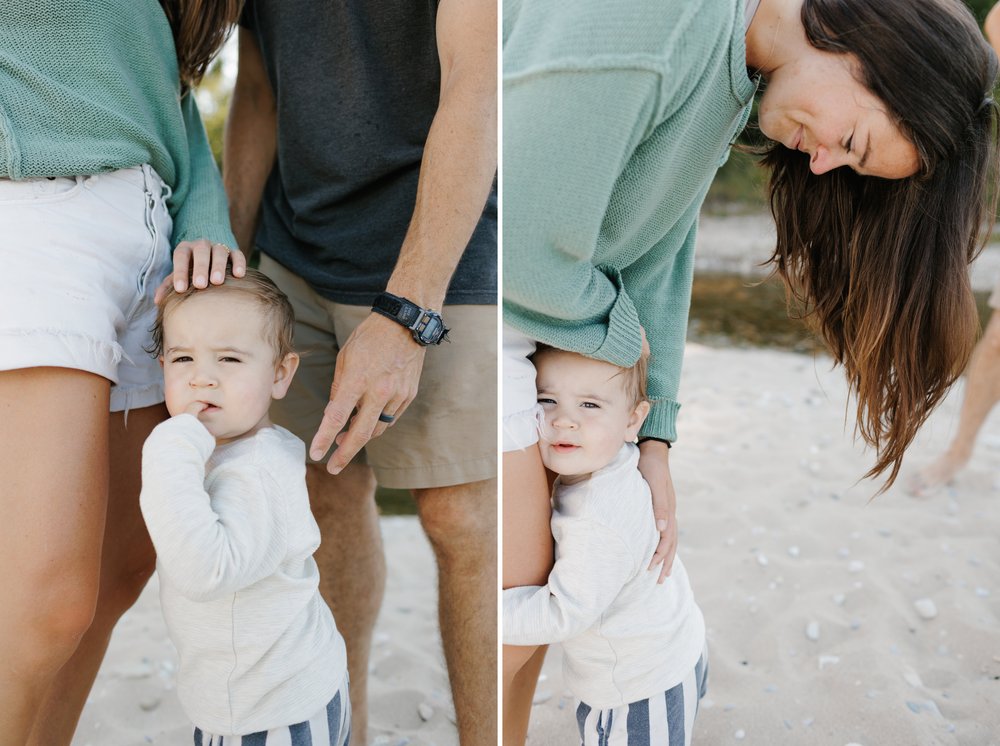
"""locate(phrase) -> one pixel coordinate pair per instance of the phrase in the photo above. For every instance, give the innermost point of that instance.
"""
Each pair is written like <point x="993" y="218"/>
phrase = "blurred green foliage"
<point x="214" y="93"/>
<point x="980" y="8"/>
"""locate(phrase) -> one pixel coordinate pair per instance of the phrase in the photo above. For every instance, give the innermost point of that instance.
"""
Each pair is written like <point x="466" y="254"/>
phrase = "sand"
<point x="134" y="701"/>
<point x="778" y="536"/>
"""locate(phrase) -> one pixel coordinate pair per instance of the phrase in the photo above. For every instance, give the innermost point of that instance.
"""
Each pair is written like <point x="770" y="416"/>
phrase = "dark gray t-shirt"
<point x="356" y="84"/>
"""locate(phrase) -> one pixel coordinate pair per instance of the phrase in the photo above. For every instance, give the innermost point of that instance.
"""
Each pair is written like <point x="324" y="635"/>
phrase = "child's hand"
<point x="204" y="262"/>
<point x="195" y="408"/>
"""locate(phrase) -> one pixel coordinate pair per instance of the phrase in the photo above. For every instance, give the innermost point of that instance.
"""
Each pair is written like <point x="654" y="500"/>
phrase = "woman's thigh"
<point x="527" y="540"/>
<point x="54" y="471"/>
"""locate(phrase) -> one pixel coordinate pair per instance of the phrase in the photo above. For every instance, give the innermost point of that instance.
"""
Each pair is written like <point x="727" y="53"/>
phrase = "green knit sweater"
<point x="88" y="86"/>
<point x="616" y="116"/>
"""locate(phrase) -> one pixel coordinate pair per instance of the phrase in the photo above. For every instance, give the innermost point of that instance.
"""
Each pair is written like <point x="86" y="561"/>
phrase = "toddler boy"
<point x="224" y="498"/>
<point x="633" y="650"/>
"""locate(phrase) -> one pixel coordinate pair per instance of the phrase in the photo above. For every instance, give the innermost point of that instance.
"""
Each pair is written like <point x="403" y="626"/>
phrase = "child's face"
<point x="219" y="365"/>
<point x="587" y="413"/>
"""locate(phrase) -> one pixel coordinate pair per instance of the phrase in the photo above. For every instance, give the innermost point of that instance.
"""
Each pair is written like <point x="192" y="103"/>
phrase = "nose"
<point x="203" y="378"/>
<point x="563" y="420"/>
<point x="824" y="160"/>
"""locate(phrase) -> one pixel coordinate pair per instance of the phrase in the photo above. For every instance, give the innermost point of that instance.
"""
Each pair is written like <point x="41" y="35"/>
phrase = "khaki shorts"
<point x="448" y="434"/>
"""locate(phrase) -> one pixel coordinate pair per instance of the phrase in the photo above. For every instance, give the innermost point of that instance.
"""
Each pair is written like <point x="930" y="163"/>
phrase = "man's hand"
<point x="378" y="371"/>
<point x="202" y="261"/>
<point x="655" y="468"/>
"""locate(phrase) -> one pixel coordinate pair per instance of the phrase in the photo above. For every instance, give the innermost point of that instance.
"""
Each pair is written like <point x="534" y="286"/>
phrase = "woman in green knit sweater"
<point x="105" y="171"/>
<point x="616" y="117"/>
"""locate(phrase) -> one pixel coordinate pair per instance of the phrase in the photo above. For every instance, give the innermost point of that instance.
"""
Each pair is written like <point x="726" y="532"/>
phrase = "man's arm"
<point x="250" y="141"/>
<point x="379" y="366"/>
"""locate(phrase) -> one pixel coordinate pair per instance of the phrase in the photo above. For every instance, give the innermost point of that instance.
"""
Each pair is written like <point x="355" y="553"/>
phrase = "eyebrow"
<point x="218" y="349"/>
<point x="542" y="390"/>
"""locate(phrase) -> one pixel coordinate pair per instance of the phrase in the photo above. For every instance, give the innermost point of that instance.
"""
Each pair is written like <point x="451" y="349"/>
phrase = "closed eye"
<point x="230" y="360"/>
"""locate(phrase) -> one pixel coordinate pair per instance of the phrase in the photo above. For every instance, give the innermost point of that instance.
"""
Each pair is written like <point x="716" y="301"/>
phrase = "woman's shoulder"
<point x="665" y="37"/>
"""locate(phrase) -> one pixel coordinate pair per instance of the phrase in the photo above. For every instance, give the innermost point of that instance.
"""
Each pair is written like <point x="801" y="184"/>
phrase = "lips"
<point x="564" y="447"/>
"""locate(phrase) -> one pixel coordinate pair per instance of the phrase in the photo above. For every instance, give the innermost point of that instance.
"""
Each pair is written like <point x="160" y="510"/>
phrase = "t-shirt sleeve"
<point x="567" y="137"/>
<point x="247" y="20"/>
<point x="592" y="565"/>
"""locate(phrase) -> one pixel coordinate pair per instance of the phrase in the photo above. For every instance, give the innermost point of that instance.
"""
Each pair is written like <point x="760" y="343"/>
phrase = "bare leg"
<point x="127" y="561"/>
<point x="54" y="471"/>
<point x="982" y="391"/>
<point x="527" y="559"/>
<point x="461" y="523"/>
<point x="519" y="694"/>
<point x="351" y="568"/>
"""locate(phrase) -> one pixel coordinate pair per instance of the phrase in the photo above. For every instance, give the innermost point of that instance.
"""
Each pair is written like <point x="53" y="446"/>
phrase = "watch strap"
<point x="408" y="314"/>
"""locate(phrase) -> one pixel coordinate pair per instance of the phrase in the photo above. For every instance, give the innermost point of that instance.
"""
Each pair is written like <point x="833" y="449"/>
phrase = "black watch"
<point x="425" y="325"/>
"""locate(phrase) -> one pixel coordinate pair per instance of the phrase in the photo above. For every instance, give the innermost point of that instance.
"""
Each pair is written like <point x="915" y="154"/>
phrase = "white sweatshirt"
<point x="625" y="638"/>
<point x="234" y="538"/>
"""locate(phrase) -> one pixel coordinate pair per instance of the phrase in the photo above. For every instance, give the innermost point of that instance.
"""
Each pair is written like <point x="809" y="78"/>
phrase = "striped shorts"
<point x="663" y="720"/>
<point x="329" y="727"/>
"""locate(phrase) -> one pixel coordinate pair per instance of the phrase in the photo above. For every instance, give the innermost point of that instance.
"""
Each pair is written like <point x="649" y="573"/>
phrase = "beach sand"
<point x="779" y="536"/>
<point x="134" y="701"/>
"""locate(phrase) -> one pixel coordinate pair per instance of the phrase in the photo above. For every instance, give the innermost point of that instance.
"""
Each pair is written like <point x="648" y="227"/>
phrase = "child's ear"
<point x="283" y="374"/>
<point x="635" y="421"/>
<point x="160" y="358"/>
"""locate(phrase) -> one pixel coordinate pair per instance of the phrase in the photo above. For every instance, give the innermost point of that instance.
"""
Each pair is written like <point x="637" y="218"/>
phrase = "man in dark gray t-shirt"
<point x="360" y="160"/>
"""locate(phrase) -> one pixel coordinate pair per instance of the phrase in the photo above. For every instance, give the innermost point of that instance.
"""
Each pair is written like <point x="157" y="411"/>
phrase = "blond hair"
<point x="259" y="287"/>
<point x="634" y="378"/>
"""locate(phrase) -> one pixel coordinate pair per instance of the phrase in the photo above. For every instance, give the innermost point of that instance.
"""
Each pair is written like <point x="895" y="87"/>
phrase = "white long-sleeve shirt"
<point x="234" y="538"/>
<point x="625" y="638"/>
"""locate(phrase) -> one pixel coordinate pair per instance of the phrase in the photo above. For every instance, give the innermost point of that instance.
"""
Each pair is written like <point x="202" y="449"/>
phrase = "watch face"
<point x="432" y="330"/>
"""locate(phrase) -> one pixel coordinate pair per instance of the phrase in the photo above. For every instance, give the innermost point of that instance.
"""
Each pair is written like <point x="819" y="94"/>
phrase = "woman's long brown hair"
<point x="200" y="29"/>
<point x="880" y="268"/>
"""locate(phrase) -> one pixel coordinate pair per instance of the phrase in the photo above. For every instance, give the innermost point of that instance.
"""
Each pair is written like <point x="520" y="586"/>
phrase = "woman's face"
<point x="816" y="104"/>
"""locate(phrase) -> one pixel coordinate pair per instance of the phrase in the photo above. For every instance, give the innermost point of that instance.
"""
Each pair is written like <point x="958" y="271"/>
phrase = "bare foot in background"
<point x="934" y="476"/>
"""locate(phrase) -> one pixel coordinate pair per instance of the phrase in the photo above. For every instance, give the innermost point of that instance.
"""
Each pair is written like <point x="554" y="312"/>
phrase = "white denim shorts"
<point x="520" y="397"/>
<point x="81" y="258"/>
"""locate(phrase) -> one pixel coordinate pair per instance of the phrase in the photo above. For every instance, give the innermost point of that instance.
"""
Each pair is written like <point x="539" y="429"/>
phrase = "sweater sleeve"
<point x="204" y="212"/>
<point x="208" y="545"/>
<point x="593" y="564"/>
<point x="558" y="178"/>
<point x="662" y="280"/>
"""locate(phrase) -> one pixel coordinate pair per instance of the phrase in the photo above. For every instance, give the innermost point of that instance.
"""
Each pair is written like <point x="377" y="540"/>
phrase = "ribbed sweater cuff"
<point x="623" y="343"/>
<point x="662" y="420"/>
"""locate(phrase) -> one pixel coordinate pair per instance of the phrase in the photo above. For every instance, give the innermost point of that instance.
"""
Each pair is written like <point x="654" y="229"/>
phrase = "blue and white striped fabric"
<point x="331" y="727"/>
<point x="664" y="720"/>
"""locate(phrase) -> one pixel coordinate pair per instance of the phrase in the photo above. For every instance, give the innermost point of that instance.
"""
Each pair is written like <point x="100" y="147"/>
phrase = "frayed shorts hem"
<point x="51" y="348"/>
